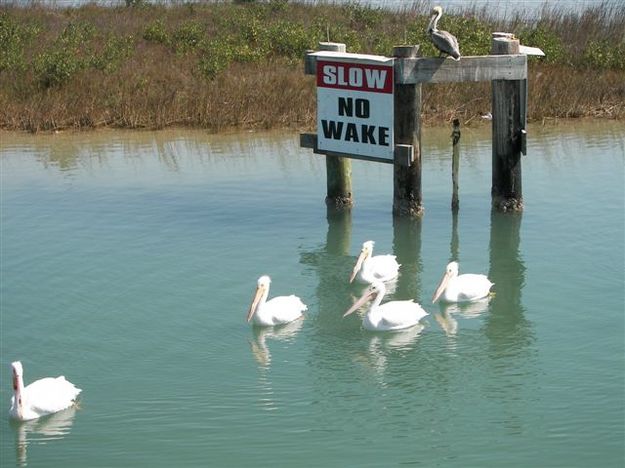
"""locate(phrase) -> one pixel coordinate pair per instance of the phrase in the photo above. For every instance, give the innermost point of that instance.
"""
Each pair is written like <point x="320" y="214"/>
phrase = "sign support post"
<point x="338" y="169"/>
<point x="407" y="199"/>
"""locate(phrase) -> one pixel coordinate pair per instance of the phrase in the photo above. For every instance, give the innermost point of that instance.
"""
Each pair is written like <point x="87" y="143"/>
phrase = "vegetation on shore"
<point x="240" y="65"/>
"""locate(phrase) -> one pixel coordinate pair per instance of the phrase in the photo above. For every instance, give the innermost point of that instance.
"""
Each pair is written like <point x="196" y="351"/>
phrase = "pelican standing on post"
<point x="464" y="288"/>
<point x="40" y="398"/>
<point x="445" y="42"/>
<point x="276" y="311"/>
<point x="370" y="268"/>
<point x="393" y="315"/>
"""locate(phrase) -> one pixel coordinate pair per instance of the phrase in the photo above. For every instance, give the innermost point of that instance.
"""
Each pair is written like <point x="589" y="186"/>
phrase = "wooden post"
<point x="338" y="169"/>
<point x="455" y="165"/>
<point x="509" y="113"/>
<point x="407" y="179"/>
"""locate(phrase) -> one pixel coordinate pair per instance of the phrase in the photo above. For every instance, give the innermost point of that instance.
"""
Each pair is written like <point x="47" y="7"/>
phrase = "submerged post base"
<point x="339" y="203"/>
<point x="505" y="204"/>
<point x="409" y="208"/>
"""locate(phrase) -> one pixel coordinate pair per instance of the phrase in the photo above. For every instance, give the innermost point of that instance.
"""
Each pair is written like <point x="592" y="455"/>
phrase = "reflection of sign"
<point x="355" y="104"/>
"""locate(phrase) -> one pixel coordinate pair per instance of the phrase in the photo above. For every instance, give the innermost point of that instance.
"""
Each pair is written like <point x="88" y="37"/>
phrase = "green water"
<point x="128" y="262"/>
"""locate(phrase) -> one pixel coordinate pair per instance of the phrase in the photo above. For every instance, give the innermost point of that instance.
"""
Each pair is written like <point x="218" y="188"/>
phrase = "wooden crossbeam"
<point x="471" y="68"/>
<point x="415" y="70"/>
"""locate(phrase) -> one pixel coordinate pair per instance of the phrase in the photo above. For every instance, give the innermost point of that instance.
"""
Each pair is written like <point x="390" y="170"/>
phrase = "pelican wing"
<point x="471" y="287"/>
<point x="383" y="267"/>
<point x="446" y="43"/>
<point x="283" y="309"/>
<point x="50" y="395"/>
<point x="400" y="314"/>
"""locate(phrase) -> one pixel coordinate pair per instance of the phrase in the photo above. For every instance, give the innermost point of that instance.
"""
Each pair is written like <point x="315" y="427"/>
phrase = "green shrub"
<point x="188" y="36"/>
<point x="548" y="41"/>
<point x="57" y="66"/>
<point x="215" y="57"/>
<point x="156" y="32"/>
<point x="114" y="52"/>
<point x="76" y="34"/>
<point x="289" y="40"/>
<point x="14" y="38"/>
<point x="604" y="55"/>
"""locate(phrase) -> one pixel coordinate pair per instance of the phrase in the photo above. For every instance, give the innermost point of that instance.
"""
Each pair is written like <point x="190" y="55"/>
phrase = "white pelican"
<point x="393" y="315"/>
<point x="42" y="397"/>
<point x="281" y="309"/>
<point x="464" y="288"/>
<point x="445" y="42"/>
<point x="371" y="268"/>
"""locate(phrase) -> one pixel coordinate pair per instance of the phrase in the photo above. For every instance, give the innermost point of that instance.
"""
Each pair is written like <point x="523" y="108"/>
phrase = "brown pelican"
<point x="446" y="43"/>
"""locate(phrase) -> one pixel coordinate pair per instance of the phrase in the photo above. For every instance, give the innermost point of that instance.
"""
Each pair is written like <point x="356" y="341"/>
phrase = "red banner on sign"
<point x="355" y="76"/>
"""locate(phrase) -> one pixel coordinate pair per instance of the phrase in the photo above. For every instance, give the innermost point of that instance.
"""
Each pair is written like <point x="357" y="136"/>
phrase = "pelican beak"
<point x="441" y="286"/>
<point x="255" y="301"/>
<point x="365" y="297"/>
<point x="361" y="258"/>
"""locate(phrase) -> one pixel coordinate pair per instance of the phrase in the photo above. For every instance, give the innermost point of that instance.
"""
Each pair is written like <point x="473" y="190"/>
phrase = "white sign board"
<point x="355" y="104"/>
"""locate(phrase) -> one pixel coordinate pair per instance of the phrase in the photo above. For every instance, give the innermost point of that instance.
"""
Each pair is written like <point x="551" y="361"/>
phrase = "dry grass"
<point x="156" y="84"/>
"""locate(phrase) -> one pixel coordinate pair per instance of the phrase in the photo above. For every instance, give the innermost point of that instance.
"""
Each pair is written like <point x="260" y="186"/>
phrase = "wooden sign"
<point x="355" y="104"/>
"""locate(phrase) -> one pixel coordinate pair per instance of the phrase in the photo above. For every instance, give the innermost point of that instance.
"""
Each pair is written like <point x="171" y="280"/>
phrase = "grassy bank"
<point x="239" y="65"/>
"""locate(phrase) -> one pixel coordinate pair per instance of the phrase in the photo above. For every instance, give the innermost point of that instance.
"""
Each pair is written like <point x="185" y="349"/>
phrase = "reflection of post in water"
<point x="407" y="249"/>
<point x="506" y="324"/>
<point x="454" y="245"/>
<point x="332" y="268"/>
<point x="339" y="234"/>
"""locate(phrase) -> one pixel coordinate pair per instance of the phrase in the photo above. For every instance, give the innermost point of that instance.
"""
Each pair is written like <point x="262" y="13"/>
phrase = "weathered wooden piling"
<point x="509" y="110"/>
<point x="338" y="169"/>
<point x="455" y="165"/>
<point x="407" y="198"/>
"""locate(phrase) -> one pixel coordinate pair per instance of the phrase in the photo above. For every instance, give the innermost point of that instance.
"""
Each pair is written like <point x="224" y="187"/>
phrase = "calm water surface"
<point x="128" y="261"/>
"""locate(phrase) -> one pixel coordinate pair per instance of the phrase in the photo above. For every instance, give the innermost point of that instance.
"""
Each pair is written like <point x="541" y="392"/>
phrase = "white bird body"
<point x="467" y="287"/>
<point x="42" y="397"/>
<point x="445" y="42"/>
<point x="371" y="268"/>
<point x="393" y="315"/>
<point x="276" y="311"/>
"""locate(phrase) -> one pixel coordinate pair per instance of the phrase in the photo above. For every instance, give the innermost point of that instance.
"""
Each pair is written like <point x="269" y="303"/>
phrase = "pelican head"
<point x="260" y="296"/>
<point x="435" y="15"/>
<point x="365" y="253"/>
<point x="437" y="11"/>
<point x="375" y="290"/>
<point x="451" y="271"/>
<point x="18" y="370"/>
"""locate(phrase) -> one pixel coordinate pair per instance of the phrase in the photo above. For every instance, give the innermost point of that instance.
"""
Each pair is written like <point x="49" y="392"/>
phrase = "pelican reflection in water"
<point x="393" y="315"/>
<point x="42" y="431"/>
<point x="445" y="42"/>
<point x="284" y="333"/>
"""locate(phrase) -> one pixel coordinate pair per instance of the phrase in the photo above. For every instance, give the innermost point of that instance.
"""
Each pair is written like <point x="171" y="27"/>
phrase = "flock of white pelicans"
<point x="375" y="271"/>
<point x="50" y="395"/>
